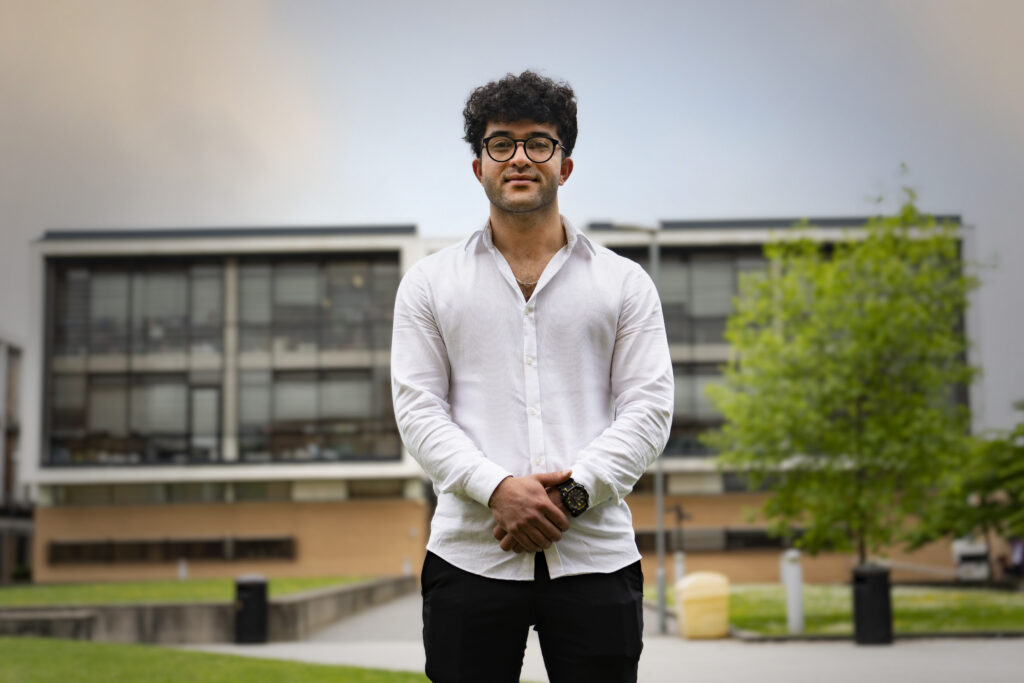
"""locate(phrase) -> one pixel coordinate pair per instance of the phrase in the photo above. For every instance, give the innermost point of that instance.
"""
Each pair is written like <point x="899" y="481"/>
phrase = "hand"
<point x="507" y="542"/>
<point x="528" y="513"/>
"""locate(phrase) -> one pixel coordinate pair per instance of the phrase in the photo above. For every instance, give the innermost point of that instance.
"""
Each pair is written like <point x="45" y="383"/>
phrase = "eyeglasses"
<point x="539" y="148"/>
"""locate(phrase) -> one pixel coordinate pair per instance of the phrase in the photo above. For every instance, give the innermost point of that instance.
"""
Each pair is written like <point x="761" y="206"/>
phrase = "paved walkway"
<point x="388" y="637"/>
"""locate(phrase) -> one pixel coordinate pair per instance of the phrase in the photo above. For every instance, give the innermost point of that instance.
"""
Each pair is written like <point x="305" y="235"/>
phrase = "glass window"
<point x="108" y="309"/>
<point x="712" y="286"/>
<point x="384" y="279"/>
<point x="349" y="304"/>
<point x="295" y="402"/>
<point x="159" y="310"/>
<point x="254" y="401"/>
<point x="254" y="306"/>
<point x="71" y="312"/>
<point x="206" y="309"/>
<point x="108" y="406"/>
<point x="346" y="395"/>
<point x="159" y="405"/>
<point x="703" y="407"/>
<point x="296" y="307"/>
<point x="263" y="491"/>
<point x="205" y="492"/>
<point x="68" y="403"/>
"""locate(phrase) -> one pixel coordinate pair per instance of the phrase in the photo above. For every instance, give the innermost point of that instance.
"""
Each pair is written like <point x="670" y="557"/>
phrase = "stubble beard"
<point x="545" y="195"/>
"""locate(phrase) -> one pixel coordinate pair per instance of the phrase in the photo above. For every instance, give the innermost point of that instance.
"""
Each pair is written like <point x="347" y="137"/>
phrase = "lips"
<point x="519" y="178"/>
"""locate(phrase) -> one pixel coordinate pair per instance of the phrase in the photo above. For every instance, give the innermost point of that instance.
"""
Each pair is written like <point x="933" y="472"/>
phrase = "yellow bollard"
<point x="702" y="605"/>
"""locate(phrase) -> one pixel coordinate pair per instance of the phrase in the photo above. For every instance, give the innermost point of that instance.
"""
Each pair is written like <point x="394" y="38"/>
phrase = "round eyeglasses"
<point x="539" y="148"/>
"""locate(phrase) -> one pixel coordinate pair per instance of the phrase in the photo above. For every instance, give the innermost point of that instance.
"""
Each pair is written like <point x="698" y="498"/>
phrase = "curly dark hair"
<point x="526" y="96"/>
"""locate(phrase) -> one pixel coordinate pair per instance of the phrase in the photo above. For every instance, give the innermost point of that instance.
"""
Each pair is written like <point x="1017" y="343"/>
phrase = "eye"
<point x="500" y="144"/>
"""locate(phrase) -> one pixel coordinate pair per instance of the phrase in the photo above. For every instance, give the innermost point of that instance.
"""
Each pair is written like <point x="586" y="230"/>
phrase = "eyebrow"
<point x="536" y="133"/>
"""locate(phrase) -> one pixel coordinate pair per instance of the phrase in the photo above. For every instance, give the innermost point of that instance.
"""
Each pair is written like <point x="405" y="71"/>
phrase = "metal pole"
<point x="659" y="476"/>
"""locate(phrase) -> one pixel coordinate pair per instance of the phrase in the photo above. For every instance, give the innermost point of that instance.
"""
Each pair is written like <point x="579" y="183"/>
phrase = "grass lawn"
<point x="828" y="609"/>
<point x="192" y="590"/>
<point x="39" y="660"/>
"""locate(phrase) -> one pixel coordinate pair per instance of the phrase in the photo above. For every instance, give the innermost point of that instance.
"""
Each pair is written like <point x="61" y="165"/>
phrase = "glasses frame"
<point x="526" y="150"/>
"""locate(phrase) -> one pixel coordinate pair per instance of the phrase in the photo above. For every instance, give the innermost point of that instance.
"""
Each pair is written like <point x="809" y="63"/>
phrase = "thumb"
<point x="548" y="479"/>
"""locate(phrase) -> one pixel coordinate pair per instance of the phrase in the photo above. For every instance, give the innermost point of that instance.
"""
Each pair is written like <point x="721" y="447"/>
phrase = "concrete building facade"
<point x="218" y="402"/>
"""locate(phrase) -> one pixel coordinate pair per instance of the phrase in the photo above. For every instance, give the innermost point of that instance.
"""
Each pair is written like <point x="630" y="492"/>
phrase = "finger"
<point x="541" y="540"/>
<point x="508" y="543"/>
<point x="556" y="513"/>
<point x="552" y="478"/>
<point x="498" y="532"/>
<point x="522" y="537"/>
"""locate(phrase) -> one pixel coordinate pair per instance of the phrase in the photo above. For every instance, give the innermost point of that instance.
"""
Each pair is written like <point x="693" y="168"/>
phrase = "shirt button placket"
<point x="532" y="384"/>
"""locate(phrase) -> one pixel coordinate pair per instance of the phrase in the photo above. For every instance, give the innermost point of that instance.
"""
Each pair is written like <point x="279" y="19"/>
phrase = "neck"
<point x="529" y="234"/>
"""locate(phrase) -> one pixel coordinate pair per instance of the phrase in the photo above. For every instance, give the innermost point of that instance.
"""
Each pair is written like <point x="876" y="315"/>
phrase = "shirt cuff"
<point x="484" y="480"/>
<point x="597" y="490"/>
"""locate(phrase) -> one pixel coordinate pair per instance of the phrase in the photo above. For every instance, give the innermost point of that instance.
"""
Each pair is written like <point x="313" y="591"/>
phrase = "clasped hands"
<point x="528" y="512"/>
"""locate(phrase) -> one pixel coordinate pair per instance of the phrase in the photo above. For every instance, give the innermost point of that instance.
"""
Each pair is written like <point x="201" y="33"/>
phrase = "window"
<point x="71" y="312"/>
<point x="206" y="309"/>
<point x="108" y="312"/>
<point x="713" y="288"/>
<point x="167" y="551"/>
<point x="296" y="307"/>
<point x="693" y="413"/>
<point x="254" y="306"/>
<point x="323" y="415"/>
<point x="159" y="310"/>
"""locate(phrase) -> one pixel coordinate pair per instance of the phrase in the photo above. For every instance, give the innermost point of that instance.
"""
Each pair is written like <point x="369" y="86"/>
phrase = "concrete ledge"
<point x="290" y="618"/>
<point x="66" y="623"/>
<point x="295" y="617"/>
<point x="756" y="637"/>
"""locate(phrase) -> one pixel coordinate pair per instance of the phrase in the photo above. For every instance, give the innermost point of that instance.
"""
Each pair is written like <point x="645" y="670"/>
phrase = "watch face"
<point x="576" y="499"/>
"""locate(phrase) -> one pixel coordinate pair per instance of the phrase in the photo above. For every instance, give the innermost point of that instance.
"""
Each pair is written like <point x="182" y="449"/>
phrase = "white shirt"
<point x="487" y="385"/>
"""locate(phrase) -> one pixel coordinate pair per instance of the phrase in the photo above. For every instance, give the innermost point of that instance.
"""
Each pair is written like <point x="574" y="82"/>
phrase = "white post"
<point x="792" y="580"/>
<point x="680" y="559"/>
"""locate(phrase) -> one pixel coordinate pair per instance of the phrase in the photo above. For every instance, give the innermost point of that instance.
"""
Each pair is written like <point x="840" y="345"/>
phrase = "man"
<point x="532" y="382"/>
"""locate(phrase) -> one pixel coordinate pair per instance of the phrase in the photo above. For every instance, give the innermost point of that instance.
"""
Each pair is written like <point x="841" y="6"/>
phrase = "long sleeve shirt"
<point x="487" y="384"/>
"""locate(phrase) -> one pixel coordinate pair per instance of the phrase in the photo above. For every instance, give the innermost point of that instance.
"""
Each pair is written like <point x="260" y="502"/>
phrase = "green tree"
<point x="984" y="496"/>
<point x="842" y="389"/>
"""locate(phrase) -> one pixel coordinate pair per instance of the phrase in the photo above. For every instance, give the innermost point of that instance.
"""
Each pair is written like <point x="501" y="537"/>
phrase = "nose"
<point x="519" y="156"/>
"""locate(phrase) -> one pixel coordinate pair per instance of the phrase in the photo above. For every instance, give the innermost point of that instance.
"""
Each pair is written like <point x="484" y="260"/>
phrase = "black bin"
<point x="872" y="609"/>
<point x="250" y="609"/>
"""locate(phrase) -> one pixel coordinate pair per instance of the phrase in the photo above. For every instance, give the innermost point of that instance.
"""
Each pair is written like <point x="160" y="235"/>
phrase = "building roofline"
<point x="761" y="223"/>
<point x="227" y="232"/>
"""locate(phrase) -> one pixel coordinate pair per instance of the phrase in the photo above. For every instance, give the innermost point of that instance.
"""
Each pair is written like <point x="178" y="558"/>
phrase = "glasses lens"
<point x="501" y="148"/>
<point x="540" y="149"/>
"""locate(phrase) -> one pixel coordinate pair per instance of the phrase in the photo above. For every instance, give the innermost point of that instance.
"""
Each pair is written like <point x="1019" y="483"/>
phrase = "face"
<point x="520" y="185"/>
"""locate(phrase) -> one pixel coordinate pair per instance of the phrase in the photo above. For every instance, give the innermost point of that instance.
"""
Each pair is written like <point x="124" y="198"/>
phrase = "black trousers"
<point x="474" y="628"/>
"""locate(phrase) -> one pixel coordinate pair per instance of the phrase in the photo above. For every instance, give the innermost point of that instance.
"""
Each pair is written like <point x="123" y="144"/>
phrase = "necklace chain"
<point x="531" y="284"/>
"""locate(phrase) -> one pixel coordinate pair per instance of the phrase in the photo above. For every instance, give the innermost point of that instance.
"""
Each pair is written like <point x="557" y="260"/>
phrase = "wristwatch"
<point x="574" y="497"/>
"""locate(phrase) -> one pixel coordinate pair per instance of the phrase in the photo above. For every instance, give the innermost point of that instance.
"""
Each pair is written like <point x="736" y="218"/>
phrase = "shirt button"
<point x="532" y="411"/>
<point x="538" y="461"/>
<point x="530" y="360"/>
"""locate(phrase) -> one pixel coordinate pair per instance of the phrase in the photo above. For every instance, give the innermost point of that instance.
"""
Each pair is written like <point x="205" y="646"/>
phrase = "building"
<point x="218" y="402"/>
<point x="15" y="510"/>
<point x="709" y="511"/>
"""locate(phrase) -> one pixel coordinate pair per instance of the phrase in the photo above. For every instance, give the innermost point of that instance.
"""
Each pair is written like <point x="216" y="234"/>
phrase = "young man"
<point x="532" y="382"/>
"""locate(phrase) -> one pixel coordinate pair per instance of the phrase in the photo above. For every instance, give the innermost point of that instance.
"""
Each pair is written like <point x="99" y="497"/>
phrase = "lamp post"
<point x="654" y="257"/>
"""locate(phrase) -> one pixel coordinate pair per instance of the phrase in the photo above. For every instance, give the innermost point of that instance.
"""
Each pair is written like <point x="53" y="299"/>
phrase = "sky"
<point x="203" y="113"/>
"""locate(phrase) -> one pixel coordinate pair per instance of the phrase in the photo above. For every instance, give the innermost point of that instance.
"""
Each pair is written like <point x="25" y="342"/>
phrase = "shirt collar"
<point x="483" y="239"/>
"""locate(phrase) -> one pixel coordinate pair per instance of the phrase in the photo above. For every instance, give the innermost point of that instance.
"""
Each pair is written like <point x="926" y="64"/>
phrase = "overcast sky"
<point x="179" y="113"/>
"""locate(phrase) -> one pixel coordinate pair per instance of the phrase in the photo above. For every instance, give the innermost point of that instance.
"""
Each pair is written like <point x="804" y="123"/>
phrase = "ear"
<point x="565" y="171"/>
<point x="478" y="169"/>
